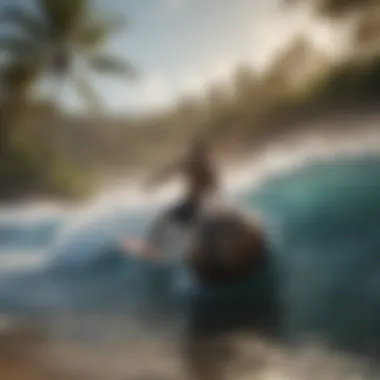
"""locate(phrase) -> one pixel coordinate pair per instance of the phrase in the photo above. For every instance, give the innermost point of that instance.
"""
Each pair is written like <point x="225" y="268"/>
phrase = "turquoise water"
<point x="323" y="224"/>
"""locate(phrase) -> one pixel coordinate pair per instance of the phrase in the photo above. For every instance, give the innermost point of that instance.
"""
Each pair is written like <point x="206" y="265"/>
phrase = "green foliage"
<point x="245" y="112"/>
<point x="17" y="77"/>
<point x="365" y="15"/>
<point x="68" y="180"/>
<point x="63" y="32"/>
<point x="351" y="81"/>
<point x="32" y="167"/>
<point x="336" y="8"/>
<point x="252" y="108"/>
<point x="50" y="41"/>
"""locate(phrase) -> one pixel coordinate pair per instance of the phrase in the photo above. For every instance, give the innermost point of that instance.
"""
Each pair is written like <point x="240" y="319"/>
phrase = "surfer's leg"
<point x="202" y="355"/>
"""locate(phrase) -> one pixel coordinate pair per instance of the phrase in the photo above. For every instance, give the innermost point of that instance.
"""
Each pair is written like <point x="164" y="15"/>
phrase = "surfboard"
<point x="172" y="246"/>
<point x="226" y="246"/>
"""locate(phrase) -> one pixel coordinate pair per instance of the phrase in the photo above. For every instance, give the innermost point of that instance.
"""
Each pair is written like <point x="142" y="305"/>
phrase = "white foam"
<point x="32" y="212"/>
<point x="281" y="156"/>
<point x="16" y="261"/>
<point x="276" y="157"/>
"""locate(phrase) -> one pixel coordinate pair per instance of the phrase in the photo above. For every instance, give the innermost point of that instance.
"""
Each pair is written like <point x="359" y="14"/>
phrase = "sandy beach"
<point x="29" y="352"/>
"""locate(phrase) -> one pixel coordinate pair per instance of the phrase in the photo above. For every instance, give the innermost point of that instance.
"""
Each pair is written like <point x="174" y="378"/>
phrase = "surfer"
<point x="201" y="180"/>
<point x="215" y="244"/>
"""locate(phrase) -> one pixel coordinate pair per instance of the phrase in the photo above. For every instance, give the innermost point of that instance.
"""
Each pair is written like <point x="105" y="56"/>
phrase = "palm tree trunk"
<point x="4" y="133"/>
<point x="10" y="113"/>
<point x="58" y="88"/>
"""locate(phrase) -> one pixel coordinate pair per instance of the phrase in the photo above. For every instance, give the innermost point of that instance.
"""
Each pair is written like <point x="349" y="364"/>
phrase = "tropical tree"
<point x="17" y="78"/>
<point x="56" y="40"/>
<point x="365" y="15"/>
<point x="62" y="38"/>
<point x="336" y="8"/>
<point x="245" y="84"/>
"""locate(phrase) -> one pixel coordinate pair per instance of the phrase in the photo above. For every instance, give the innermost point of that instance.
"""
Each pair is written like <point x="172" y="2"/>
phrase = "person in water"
<point x="201" y="181"/>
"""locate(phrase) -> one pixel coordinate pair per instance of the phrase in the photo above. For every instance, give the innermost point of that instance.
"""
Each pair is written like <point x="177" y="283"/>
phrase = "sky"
<point x="181" y="46"/>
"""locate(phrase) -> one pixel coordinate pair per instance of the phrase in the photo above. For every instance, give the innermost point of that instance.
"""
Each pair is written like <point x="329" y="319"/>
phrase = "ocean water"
<point x="323" y="226"/>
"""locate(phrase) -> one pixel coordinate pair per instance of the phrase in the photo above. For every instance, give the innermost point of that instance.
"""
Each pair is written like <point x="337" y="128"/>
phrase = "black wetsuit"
<point x="201" y="179"/>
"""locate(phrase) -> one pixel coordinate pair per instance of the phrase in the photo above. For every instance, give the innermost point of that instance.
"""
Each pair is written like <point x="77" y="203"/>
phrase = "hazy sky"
<point x="179" y="45"/>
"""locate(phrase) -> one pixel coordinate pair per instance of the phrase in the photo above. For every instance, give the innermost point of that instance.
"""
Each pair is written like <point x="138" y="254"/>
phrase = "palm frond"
<point x="66" y="27"/>
<point x="108" y="64"/>
<point x="19" y="75"/>
<point x="19" y="47"/>
<point x="96" y="31"/>
<point x="26" y="21"/>
<point x="63" y="15"/>
<point x="337" y="8"/>
<point x="86" y="92"/>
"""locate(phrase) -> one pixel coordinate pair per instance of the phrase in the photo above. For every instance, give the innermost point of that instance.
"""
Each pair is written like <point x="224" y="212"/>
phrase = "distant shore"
<point x="329" y="133"/>
<point x="268" y="161"/>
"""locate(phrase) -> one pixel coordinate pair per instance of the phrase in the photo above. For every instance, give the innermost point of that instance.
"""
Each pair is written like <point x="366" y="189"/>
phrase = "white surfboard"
<point x="139" y="247"/>
<point x="175" y="246"/>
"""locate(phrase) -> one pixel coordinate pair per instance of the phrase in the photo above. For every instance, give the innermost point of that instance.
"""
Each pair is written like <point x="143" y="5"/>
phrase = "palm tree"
<point x="335" y="8"/>
<point x="62" y="38"/>
<point x="364" y="13"/>
<point x="17" y="79"/>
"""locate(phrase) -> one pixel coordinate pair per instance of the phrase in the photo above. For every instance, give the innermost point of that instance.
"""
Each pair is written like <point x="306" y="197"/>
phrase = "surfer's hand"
<point x="152" y="253"/>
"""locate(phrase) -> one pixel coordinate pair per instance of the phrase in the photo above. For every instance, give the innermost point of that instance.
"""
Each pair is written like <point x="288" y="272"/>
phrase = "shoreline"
<point x="27" y="352"/>
<point x="340" y="136"/>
